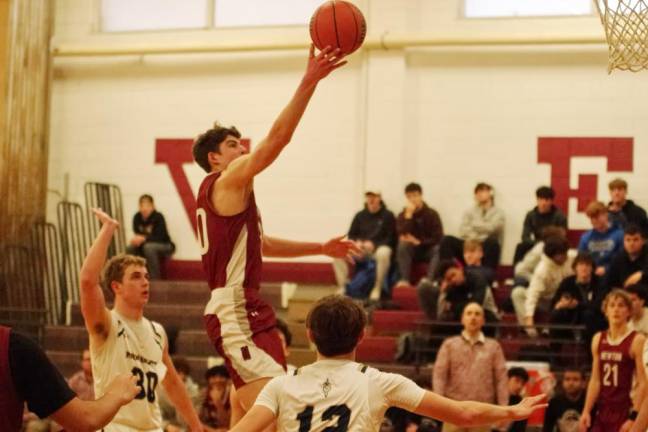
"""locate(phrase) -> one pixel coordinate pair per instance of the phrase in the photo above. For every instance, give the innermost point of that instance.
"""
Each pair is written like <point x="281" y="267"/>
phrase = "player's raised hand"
<point x="322" y="64"/>
<point x="104" y="217"/>
<point x="528" y="405"/>
<point x="340" y="247"/>
<point x="124" y="387"/>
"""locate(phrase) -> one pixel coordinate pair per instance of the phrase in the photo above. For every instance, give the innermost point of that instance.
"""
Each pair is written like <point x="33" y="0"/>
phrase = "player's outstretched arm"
<point x="338" y="247"/>
<point x="242" y="170"/>
<point x="177" y="393"/>
<point x="593" y="388"/>
<point x="79" y="415"/>
<point x="93" y="304"/>
<point x="640" y="377"/>
<point x="470" y="414"/>
<point x="256" y="420"/>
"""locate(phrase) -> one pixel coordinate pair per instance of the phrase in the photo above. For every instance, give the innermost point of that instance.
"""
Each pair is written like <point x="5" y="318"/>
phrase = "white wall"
<point x="446" y="118"/>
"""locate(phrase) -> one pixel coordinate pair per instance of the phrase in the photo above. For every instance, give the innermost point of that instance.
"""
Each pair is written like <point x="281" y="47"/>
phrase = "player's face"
<point x="474" y="256"/>
<point x="472" y="318"/>
<point x="632" y="243"/>
<point x="572" y="382"/>
<point x="544" y="205"/>
<point x="230" y="149"/>
<point x="134" y="288"/>
<point x="618" y="195"/>
<point x="617" y="312"/>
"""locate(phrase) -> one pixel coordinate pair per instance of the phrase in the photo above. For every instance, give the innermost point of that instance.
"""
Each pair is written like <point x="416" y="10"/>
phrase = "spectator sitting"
<point x="151" y="239"/>
<point x="554" y="266"/>
<point x="172" y="421"/>
<point x="628" y="265"/>
<point x="483" y="222"/>
<point x="518" y="378"/>
<point x="419" y="233"/>
<point x="624" y="211"/>
<point x="468" y="359"/>
<point x="215" y="411"/>
<point x="639" y="319"/>
<point x="563" y="412"/>
<point x="81" y="382"/>
<point x="285" y="335"/>
<point x="578" y="301"/>
<point x="544" y="214"/>
<point x="524" y="269"/>
<point x="374" y="230"/>
<point x="603" y="241"/>
<point x="473" y="252"/>
<point x="455" y="288"/>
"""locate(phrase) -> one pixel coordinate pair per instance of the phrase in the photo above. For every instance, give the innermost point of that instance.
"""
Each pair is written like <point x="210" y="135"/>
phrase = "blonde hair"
<point x="618" y="183"/>
<point x="595" y="208"/>
<point x="618" y="294"/>
<point x="116" y="266"/>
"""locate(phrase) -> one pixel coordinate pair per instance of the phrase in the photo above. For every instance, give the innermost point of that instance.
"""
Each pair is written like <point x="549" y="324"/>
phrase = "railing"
<point x="75" y="241"/>
<point x="549" y="346"/>
<point x="109" y="198"/>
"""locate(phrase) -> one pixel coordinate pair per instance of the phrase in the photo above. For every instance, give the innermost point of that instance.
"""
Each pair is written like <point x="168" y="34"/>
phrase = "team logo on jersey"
<point x="326" y="387"/>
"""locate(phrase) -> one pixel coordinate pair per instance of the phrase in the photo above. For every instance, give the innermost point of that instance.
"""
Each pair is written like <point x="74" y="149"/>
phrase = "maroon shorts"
<point x="248" y="355"/>
<point x="610" y="419"/>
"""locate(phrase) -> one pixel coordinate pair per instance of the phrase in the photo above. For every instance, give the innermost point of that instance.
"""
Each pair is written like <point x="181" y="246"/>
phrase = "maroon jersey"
<point x="11" y="405"/>
<point x="616" y="369"/>
<point x="231" y="256"/>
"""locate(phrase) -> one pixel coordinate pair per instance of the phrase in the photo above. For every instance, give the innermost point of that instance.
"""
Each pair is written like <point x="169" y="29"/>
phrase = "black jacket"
<point x="630" y="213"/>
<point x="153" y="228"/>
<point x="425" y="225"/>
<point x="622" y="267"/>
<point x="564" y="410"/>
<point x="535" y="221"/>
<point x="586" y="294"/>
<point x="379" y="227"/>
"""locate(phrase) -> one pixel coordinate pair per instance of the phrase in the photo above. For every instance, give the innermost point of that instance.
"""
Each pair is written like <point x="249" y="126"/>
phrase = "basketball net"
<point x="626" y="31"/>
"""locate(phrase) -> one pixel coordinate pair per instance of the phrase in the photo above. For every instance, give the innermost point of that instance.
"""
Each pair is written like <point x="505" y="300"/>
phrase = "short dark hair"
<point x="215" y="371"/>
<point x="583" y="258"/>
<point x="283" y="328"/>
<point x="552" y="231"/>
<point x="336" y="324"/>
<point x="146" y="197"/>
<point x="555" y="246"/>
<point x="444" y="266"/>
<point x="574" y="369"/>
<point x="545" y="192"/>
<point x="640" y="290"/>
<point x="519" y="372"/>
<point x="483" y="186"/>
<point x="181" y="364"/>
<point x="632" y="229"/>
<point x="618" y="183"/>
<point x="413" y="187"/>
<point x="210" y="142"/>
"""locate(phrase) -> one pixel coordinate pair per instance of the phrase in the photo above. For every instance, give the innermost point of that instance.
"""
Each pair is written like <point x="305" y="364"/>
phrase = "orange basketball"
<point x="339" y="24"/>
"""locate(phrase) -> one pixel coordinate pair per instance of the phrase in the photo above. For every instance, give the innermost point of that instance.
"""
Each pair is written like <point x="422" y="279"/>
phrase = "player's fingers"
<point x="324" y="53"/>
<point x="311" y="51"/>
<point x="339" y="65"/>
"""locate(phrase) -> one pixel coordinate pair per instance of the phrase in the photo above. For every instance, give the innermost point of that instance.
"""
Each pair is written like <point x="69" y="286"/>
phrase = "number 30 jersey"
<point x="337" y="395"/>
<point x="132" y="347"/>
<point x="616" y="370"/>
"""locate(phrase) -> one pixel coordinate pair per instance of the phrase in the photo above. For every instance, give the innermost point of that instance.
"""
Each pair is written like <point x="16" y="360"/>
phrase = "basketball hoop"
<point x="626" y="31"/>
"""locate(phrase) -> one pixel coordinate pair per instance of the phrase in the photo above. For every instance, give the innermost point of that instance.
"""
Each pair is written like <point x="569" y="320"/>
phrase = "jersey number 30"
<point x="146" y="391"/>
<point x="342" y="412"/>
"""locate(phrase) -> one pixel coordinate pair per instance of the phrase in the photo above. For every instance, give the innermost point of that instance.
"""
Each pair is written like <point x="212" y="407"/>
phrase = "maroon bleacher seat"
<point x="376" y="349"/>
<point x="386" y="322"/>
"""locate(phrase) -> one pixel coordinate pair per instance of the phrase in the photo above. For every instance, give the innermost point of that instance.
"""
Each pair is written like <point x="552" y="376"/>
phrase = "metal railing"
<point x="75" y="241"/>
<point x="108" y="197"/>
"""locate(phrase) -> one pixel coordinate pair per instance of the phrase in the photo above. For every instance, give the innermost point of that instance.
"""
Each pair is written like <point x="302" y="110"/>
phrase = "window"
<point x="526" y="8"/>
<point x="151" y="15"/>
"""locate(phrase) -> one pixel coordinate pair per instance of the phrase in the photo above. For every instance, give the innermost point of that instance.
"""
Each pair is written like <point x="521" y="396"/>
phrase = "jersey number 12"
<point x="342" y="412"/>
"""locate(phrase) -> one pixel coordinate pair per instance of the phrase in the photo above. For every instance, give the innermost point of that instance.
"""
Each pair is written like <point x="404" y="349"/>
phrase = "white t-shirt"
<point x="132" y="347"/>
<point x="339" y="394"/>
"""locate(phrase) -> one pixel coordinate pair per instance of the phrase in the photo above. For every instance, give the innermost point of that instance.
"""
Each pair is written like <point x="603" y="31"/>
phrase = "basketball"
<point x="338" y="24"/>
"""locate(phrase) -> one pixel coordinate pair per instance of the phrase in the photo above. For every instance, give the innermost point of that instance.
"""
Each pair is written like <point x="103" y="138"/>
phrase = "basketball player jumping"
<point x="617" y="356"/>
<point x="240" y="324"/>
<point x="123" y="341"/>
<point x="337" y="394"/>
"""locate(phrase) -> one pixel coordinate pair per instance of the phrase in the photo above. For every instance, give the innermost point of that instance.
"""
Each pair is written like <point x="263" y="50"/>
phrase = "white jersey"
<point x="339" y="395"/>
<point x="132" y="347"/>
